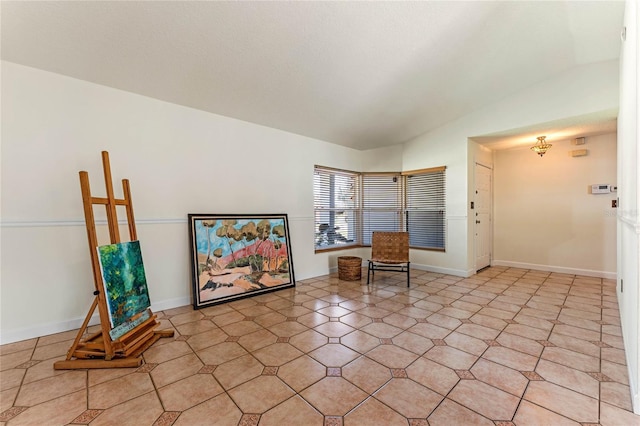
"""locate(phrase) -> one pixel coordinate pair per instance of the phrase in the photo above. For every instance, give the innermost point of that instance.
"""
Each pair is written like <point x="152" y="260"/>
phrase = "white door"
<point x="482" y="213"/>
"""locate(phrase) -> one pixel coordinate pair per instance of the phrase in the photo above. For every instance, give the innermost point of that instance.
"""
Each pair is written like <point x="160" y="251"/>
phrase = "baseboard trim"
<point x="441" y="270"/>
<point x="170" y="304"/>
<point x="40" y="330"/>
<point x="428" y="268"/>
<point x="635" y="398"/>
<point x="633" y="382"/>
<point x="558" y="269"/>
<point x="17" y="335"/>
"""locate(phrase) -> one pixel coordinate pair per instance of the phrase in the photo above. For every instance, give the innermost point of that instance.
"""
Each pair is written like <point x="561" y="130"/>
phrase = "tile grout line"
<point x="390" y="296"/>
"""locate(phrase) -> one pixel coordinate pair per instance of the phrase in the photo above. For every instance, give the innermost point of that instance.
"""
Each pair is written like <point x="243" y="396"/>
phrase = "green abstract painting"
<point x="124" y="281"/>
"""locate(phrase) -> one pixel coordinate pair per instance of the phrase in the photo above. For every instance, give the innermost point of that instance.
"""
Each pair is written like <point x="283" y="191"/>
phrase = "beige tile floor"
<point x="503" y="347"/>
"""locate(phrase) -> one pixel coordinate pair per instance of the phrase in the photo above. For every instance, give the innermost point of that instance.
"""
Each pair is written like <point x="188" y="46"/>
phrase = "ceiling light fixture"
<point x="541" y="146"/>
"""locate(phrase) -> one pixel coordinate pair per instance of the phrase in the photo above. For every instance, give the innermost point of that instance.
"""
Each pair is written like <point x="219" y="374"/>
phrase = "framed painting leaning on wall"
<point x="235" y="256"/>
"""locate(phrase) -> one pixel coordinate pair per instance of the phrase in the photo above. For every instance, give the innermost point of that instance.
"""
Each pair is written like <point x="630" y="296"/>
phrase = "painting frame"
<point x="234" y="256"/>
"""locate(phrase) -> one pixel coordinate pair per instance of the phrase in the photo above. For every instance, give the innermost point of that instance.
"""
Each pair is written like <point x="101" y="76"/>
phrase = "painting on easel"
<point x="125" y="282"/>
<point x="236" y="256"/>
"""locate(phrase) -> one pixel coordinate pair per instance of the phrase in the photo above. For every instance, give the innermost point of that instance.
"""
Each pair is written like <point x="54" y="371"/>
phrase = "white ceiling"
<point x="359" y="74"/>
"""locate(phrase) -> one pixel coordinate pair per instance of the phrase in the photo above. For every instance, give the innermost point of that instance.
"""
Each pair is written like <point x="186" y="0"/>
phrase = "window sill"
<point x="351" y="246"/>
<point x="337" y="248"/>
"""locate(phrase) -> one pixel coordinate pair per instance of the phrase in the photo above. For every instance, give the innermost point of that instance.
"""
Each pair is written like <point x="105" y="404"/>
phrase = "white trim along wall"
<point x="181" y="160"/>
<point x="628" y="232"/>
<point x="544" y="214"/>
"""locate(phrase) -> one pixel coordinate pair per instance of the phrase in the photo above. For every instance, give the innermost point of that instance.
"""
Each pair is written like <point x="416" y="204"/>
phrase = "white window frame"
<point x="336" y="203"/>
<point x="384" y="201"/>
<point x="425" y="208"/>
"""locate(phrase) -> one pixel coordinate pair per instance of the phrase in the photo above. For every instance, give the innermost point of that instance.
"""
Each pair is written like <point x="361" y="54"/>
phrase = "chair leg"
<point x="408" y="272"/>
<point x="368" y="272"/>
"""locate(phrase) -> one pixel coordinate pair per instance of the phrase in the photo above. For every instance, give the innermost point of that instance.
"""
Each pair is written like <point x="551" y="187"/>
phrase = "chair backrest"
<point x="390" y="247"/>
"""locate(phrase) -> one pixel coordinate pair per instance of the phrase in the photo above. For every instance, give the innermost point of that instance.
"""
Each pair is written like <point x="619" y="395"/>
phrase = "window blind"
<point x="381" y="204"/>
<point x="350" y="206"/>
<point x="425" y="209"/>
<point x="336" y="207"/>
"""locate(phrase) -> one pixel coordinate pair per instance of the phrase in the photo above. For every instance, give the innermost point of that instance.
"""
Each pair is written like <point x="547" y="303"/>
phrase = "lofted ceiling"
<point x="358" y="74"/>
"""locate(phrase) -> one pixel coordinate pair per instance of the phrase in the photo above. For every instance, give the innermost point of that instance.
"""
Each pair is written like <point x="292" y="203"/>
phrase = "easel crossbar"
<point x="102" y="200"/>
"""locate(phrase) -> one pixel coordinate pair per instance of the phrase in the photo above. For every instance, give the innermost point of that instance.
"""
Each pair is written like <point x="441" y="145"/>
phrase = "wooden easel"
<point x="98" y="350"/>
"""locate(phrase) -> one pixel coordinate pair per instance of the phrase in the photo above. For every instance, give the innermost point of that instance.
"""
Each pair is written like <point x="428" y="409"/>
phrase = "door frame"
<point x="490" y="209"/>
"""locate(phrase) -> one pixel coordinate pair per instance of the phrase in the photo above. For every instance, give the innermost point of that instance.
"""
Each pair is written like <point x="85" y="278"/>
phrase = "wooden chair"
<point x="389" y="252"/>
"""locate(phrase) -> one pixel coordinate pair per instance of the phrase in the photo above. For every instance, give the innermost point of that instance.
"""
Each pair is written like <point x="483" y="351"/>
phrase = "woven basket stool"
<point x="349" y="268"/>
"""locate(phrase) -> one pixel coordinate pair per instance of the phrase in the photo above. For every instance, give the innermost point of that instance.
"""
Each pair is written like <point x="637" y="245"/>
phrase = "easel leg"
<point x="83" y="328"/>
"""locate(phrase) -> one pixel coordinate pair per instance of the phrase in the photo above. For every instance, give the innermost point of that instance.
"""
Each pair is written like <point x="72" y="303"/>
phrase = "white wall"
<point x="544" y="217"/>
<point x="385" y="159"/>
<point x="628" y="217"/>
<point x="178" y="160"/>
<point x="580" y="91"/>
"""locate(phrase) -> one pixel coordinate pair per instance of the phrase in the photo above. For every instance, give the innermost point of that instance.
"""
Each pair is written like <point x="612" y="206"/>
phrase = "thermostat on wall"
<point x="600" y="189"/>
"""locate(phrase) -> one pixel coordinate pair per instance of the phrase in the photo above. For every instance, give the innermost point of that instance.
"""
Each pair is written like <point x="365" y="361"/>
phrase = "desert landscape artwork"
<point x="237" y="256"/>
